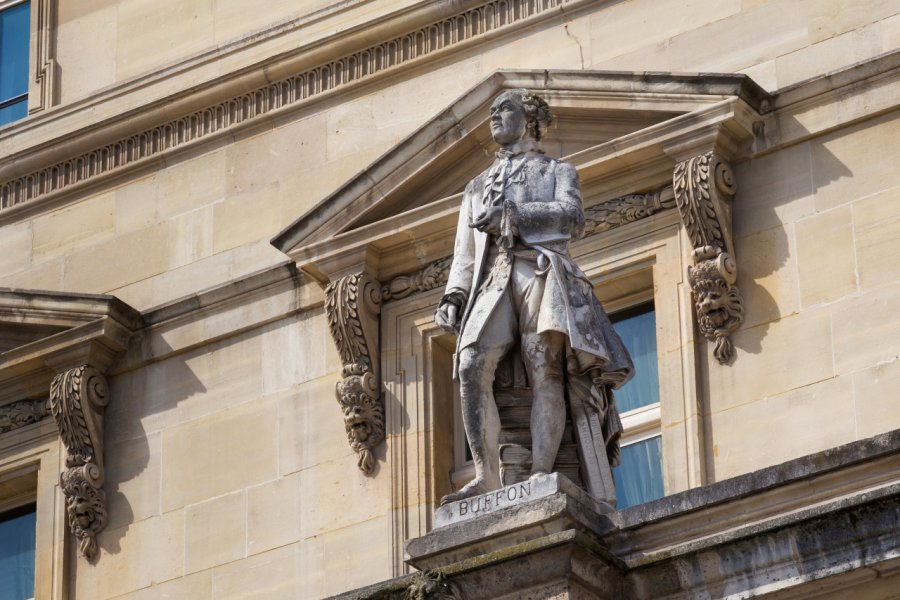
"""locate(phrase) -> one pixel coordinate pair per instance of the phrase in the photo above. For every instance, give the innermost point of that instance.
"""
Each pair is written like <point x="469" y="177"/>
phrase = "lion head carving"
<point x="720" y="310"/>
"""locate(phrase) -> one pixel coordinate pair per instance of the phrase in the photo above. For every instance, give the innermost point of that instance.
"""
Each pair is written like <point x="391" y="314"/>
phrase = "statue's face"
<point x="507" y="120"/>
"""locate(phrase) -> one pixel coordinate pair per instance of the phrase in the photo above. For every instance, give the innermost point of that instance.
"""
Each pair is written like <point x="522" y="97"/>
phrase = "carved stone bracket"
<point x="78" y="398"/>
<point x="421" y="585"/>
<point x="626" y="209"/>
<point x="431" y="585"/>
<point x="704" y="189"/>
<point x="432" y="276"/>
<point x="353" y="304"/>
<point x="20" y="414"/>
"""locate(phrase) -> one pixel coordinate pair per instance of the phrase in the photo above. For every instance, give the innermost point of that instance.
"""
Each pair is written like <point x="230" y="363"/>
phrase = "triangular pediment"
<point x="44" y="332"/>
<point x="594" y="111"/>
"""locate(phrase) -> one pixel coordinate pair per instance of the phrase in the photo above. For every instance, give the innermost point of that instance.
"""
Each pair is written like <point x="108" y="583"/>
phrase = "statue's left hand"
<point x="445" y="317"/>
<point x="489" y="220"/>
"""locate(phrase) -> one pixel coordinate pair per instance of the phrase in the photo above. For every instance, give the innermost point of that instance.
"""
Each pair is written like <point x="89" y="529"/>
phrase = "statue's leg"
<point x="477" y="366"/>
<point x="543" y="355"/>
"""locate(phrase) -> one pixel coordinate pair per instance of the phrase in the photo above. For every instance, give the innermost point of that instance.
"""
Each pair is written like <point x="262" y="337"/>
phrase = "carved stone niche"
<point x="387" y="234"/>
<point x="54" y="352"/>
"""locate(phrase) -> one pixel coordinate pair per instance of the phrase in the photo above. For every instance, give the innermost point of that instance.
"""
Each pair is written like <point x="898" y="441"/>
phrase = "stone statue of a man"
<point x="512" y="281"/>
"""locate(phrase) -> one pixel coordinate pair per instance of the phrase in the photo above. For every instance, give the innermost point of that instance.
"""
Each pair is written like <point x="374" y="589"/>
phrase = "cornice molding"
<point x="41" y="175"/>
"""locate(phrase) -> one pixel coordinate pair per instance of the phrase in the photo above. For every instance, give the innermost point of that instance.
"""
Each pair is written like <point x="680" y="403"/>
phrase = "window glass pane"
<point x="17" y="554"/>
<point x="14" y="32"/>
<point x="639" y="475"/>
<point x="637" y="328"/>
<point x="14" y="112"/>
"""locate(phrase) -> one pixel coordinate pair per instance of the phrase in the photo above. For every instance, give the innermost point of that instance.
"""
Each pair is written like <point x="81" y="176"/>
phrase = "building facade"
<point x="212" y="214"/>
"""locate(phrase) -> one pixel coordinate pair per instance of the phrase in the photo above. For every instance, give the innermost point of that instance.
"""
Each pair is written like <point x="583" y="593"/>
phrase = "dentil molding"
<point x="469" y="25"/>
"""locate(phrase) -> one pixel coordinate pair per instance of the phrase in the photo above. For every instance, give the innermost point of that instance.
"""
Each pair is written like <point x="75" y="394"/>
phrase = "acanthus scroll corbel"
<point x="78" y="398"/>
<point x="704" y="189"/>
<point x="353" y="306"/>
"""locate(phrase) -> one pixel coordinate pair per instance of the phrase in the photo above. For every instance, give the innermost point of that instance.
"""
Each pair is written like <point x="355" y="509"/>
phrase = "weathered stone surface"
<point x="188" y="184"/>
<point x="530" y="490"/>
<point x="513" y="283"/>
<point x="751" y="535"/>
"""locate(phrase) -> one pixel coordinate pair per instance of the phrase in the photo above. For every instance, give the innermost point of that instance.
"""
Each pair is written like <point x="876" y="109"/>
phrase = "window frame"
<point x="42" y="67"/>
<point x="34" y="451"/>
<point x="640" y="260"/>
<point x="633" y="264"/>
<point x="9" y="507"/>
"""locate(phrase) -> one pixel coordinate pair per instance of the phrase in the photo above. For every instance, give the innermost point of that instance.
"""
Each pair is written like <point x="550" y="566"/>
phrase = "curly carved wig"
<point x="537" y="111"/>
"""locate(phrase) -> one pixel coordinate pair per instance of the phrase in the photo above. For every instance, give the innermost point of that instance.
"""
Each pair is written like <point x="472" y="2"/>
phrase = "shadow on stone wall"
<point x="142" y="402"/>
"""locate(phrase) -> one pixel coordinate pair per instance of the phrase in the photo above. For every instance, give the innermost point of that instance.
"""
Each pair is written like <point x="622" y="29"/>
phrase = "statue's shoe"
<point x="473" y="488"/>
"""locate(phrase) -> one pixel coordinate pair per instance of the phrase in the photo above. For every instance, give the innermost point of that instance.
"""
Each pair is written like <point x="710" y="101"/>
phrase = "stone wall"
<point x="228" y="471"/>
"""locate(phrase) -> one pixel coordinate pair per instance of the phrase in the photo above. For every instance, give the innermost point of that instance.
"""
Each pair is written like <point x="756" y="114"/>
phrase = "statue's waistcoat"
<point x="568" y="303"/>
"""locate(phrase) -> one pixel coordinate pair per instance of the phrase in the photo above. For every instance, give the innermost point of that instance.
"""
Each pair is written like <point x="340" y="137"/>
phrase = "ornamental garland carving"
<point x="704" y="188"/>
<point x="20" y="414"/>
<point x="431" y="277"/>
<point x="78" y="398"/>
<point x="625" y="209"/>
<point x="598" y="218"/>
<point x="353" y="304"/>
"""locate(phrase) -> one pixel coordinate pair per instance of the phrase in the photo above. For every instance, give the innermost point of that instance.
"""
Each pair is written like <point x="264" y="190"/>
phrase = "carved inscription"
<point x="353" y="304"/>
<point x="485" y="503"/>
<point x="78" y="398"/>
<point x="704" y="188"/>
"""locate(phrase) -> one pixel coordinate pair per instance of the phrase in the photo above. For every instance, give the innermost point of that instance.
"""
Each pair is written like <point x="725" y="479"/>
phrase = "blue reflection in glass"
<point x="14" y="112"/>
<point x="639" y="476"/>
<point x="17" y="554"/>
<point x="637" y="328"/>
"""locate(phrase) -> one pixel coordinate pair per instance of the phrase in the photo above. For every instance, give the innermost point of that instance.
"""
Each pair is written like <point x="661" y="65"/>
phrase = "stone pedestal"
<point x="822" y="526"/>
<point x="537" y="539"/>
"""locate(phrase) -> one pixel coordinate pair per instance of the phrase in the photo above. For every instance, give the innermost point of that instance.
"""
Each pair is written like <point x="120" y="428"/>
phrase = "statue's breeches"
<point x="508" y="310"/>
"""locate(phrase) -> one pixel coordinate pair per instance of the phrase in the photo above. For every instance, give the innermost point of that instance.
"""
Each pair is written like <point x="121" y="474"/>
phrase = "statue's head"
<point x="518" y="114"/>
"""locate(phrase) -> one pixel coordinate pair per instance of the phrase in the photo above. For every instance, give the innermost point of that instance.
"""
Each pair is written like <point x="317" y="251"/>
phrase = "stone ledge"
<point x="824" y="523"/>
<point x="553" y="505"/>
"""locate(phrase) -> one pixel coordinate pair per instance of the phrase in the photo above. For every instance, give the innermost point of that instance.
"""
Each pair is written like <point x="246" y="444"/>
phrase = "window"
<point x="639" y="476"/>
<point x="17" y="541"/>
<point x="14" y="55"/>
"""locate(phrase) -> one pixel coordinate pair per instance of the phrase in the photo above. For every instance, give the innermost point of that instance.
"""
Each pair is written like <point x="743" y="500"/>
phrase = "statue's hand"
<point x="489" y="220"/>
<point x="445" y="317"/>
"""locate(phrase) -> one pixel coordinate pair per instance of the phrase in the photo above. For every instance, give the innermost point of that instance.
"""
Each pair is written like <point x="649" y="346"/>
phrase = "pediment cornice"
<point x="624" y="132"/>
<point x="56" y="349"/>
<point x="45" y="333"/>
